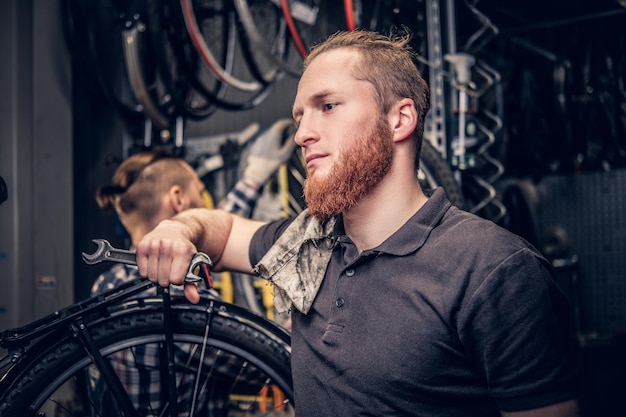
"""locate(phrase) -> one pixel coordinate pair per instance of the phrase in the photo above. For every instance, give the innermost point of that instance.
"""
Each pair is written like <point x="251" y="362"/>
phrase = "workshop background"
<point x="544" y="127"/>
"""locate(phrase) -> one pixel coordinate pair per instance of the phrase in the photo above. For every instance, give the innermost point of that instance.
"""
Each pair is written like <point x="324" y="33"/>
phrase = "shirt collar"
<point x="297" y="261"/>
<point x="414" y="233"/>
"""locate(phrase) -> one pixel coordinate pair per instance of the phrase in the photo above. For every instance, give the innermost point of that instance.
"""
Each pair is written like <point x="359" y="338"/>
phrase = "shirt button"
<point x="350" y="272"/>
<point x="339" y="302"/>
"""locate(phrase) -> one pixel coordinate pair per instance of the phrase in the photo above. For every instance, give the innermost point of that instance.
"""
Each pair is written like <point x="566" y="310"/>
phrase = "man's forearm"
<point x="208" y="230"/>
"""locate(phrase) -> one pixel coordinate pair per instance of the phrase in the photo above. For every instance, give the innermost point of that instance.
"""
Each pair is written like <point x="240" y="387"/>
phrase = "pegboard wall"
<point x="588" y="213"/>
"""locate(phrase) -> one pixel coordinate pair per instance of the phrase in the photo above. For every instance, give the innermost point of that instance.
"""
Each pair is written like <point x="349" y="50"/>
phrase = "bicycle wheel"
<point x="228" y="362"/>
<point x="254" y="294"/>
<point x="312" y="21"/>
<point x="265" y="36"/>
<point x="194" y="28"/>
<point x="434" y="171"/>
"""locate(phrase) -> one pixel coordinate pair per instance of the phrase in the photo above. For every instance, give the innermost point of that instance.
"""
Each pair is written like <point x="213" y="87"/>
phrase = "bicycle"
<point x="234" y="362"/>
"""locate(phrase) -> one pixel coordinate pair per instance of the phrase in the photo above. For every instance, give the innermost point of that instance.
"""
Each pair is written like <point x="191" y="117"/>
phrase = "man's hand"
<point x="164" y="255"/>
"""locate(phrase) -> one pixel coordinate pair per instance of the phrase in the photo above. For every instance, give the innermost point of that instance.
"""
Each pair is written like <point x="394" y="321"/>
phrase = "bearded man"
<point x="402" y="304"/>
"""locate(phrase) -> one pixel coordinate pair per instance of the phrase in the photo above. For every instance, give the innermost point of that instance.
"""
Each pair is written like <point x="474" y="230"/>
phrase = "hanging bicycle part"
<point x="457" y="125"/>
<point x="312" y="21"/>
<point x="267" y="34"/>
<point x="137" y="81"/>
<point x="207" y="56"/>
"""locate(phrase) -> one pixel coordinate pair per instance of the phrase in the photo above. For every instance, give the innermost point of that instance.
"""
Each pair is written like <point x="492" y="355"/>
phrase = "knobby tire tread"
<point x="432" y="161"/>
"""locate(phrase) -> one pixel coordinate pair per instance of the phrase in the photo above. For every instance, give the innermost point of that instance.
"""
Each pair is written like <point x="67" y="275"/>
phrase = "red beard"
<point x="360" y="167"/>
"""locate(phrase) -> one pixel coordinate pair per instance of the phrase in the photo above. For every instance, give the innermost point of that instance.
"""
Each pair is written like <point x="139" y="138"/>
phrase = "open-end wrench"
<point x="106" y="252"/>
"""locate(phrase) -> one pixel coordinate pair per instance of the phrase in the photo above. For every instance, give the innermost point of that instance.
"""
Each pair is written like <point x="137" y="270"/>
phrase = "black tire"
<point x="257" y="353"/>
<point x="435" y="171"/>
<point x="247" y="294"/>
<point x="265" y="37"/>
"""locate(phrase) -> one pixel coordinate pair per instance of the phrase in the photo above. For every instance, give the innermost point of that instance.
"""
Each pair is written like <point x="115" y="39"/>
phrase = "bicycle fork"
<point x="106" y="369"/>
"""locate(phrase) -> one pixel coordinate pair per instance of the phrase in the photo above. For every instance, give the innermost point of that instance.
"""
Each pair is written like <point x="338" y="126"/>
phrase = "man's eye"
<point x="329" y="106"/>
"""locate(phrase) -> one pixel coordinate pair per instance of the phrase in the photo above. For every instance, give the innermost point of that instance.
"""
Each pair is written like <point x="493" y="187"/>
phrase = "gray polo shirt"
<point x="450" y="316"/>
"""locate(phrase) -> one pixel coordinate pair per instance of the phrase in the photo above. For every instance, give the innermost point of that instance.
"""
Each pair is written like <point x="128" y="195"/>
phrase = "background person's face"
<point x="196" y="191"/>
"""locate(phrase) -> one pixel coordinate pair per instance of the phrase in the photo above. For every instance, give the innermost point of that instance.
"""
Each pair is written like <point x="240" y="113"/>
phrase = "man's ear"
<point x="404" y="119"/>
<point x="177" y="199"/>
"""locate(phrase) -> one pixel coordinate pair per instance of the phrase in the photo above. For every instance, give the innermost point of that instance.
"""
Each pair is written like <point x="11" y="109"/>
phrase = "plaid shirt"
<point x="139" y="367"/>
<point x="240" y="200"/>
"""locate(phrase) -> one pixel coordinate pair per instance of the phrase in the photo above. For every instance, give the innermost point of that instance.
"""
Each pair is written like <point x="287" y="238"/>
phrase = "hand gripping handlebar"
<point x="105" y="252"/>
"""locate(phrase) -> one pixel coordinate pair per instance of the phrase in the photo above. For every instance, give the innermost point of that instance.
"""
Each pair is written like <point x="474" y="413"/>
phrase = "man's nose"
<point x="305" y="134"/>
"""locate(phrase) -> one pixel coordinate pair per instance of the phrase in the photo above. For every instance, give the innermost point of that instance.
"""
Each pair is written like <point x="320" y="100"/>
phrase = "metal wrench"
<point x="106" y="252"/>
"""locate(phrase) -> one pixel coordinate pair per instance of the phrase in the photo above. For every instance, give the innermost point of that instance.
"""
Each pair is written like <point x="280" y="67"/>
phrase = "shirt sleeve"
<point x="114" y="277"/>
<point x="265" y="237"/>
<point x="240" y="200"/>
<point x="516" y="329"/>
